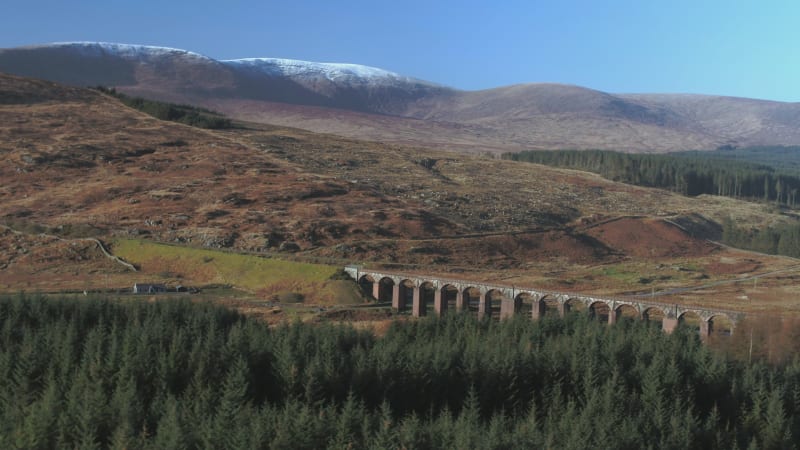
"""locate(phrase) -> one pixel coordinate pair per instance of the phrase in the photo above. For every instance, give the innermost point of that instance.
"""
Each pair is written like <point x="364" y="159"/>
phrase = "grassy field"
<point x="268" y="278"/>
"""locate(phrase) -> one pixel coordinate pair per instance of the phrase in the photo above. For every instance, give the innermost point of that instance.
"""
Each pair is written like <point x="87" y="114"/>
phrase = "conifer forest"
<point x="105" y="373"/>
<point x="689" y="173"/>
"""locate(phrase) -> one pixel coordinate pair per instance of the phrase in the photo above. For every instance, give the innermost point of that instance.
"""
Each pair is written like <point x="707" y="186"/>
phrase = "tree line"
<point x="174" y="374"/>
<point x="689" y="174"/>
<point x="727" y="172"/>
<point x="185" y="114"/>
<point x="784" y="157"/>
<point x="780" y="239"/>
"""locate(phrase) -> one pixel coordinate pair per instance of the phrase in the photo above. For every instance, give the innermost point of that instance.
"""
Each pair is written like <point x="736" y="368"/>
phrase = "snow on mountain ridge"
<point x="129" y="51"/>
<point x="335" y="72"/>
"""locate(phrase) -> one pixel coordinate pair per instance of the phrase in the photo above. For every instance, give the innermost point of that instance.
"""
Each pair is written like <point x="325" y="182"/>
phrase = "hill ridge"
<point x="392" y="107"/>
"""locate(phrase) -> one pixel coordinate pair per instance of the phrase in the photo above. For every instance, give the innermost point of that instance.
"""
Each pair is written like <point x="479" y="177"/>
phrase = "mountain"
<point x="370" y="103"/>
<point x="182" y="75"/>
<point x="77" y="163"/>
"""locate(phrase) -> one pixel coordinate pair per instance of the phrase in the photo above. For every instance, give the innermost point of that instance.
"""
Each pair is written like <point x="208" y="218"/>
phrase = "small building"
<point x="149" y="288"/>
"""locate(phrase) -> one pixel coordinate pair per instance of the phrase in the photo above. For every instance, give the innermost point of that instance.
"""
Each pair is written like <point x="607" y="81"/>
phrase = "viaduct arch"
<point x="420" y="291"/>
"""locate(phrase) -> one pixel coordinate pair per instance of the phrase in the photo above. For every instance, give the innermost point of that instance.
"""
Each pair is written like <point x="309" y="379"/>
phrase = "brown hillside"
<point x="648" y="238"/>
<point x="402" y="110"/>
<point x="77" y="163"/>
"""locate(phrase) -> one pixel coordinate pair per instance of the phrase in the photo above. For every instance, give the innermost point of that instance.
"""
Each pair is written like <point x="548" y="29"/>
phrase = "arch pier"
<point x="487" y="299"/>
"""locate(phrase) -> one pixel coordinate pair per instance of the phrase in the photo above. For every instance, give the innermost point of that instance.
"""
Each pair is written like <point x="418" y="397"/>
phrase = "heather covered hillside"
<point x="81" y="164"/>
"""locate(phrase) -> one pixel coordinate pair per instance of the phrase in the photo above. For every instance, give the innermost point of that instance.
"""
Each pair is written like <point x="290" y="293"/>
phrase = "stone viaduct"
<point x="419" y="291"/>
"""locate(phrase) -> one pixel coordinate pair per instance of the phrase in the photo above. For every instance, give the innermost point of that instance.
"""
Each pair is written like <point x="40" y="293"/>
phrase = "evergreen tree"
<point x="170" y="433"/>
<point x="434" y="383"/>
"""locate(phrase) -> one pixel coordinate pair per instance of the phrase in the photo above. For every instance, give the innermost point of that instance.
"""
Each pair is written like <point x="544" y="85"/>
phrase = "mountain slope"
<point x="370" y="103"/>
<point x="77" y="163"/>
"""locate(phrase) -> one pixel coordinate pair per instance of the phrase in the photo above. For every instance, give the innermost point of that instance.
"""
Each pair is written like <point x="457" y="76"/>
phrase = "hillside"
<point x="77" y="163"/>
<point x="368" y="103"/>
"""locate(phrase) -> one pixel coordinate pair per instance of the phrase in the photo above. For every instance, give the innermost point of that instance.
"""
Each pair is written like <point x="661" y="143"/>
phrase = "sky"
<point x="730" y="47"/>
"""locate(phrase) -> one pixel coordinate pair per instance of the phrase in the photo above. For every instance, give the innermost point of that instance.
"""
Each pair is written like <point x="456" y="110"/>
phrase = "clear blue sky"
<point x="732" y="47"/>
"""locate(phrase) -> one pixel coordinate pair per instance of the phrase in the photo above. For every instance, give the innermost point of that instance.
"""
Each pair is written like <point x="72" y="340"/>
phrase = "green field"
<point x="266" y="277"/>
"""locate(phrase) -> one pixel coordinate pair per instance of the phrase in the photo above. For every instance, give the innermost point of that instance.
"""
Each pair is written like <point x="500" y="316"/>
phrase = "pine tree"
<point x="39" y="426"/>
<point x="348" y="424"/>
<point x="776" y="433"/>
<point x="384" y="436"/>
<point x="233" y="402"/>
<point x="169" y="433"/>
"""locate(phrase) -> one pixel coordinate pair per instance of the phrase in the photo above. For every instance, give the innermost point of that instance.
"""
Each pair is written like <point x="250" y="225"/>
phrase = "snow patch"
<point x="303" y="71"/>
<point x="334" y="72"/>
<point x="127" y="51"/>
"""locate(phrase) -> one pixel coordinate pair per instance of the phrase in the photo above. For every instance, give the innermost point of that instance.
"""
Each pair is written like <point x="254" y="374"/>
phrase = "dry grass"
<point x="94" y="167"/>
